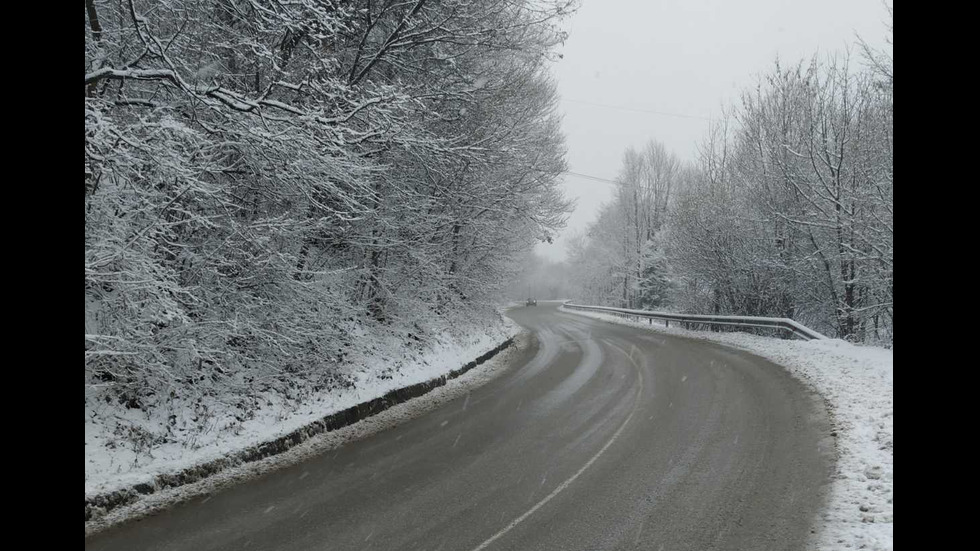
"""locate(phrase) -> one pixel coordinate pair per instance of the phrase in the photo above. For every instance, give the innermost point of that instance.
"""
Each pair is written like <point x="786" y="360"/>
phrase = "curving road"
<point x="599" y="437"/>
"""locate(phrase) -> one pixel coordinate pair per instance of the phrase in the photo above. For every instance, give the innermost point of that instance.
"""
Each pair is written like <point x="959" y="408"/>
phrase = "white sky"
<point x="687" y="57"/>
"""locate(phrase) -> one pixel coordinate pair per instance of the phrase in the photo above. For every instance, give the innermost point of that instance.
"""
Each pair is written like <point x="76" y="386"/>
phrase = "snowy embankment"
<point x="856" y="383"/>
<point x="113" y="466"/>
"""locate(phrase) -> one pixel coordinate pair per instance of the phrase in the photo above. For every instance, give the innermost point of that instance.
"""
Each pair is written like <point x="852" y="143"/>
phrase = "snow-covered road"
<point x="597" y="436"/>
<point x="856" y="383"/>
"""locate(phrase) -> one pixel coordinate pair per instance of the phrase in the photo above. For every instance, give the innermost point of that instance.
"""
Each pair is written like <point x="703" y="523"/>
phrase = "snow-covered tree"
<point x="787" y="212"/>
<point x="269" y="186"/>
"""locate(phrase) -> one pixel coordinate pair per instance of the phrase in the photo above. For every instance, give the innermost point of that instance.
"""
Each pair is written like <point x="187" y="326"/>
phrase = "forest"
<point x="787" y="211"/>
<point x="275" y="189"/>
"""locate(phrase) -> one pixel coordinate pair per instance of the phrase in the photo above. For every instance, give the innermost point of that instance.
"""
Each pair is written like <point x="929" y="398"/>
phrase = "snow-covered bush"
<point x="274" y="189"/>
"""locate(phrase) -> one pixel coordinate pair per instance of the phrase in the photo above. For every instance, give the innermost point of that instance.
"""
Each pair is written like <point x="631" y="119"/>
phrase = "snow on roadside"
<point x="113" y="467"/>
<point x="856" y="383"/>
<point x="320" y="443"/>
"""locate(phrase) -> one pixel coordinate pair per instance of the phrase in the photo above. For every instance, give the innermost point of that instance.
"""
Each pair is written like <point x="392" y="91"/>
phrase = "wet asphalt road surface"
<point x="597" y="437"/>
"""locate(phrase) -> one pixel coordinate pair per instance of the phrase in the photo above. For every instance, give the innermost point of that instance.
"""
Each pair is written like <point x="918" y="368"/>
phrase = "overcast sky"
<point x="688" y="58"/>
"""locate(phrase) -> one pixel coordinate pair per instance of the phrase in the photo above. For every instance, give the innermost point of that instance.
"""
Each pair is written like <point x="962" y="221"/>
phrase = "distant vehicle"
<point x="532" y="302"/>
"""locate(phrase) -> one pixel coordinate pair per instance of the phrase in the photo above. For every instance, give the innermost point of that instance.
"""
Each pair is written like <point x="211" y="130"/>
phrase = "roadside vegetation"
<point x="279" y="195"/>
<point x="787" y="212"/>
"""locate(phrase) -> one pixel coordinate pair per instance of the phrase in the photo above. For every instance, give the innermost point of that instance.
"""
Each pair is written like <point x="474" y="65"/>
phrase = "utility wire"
<point x="590" y="177"/>
<point x="621" y="108"/>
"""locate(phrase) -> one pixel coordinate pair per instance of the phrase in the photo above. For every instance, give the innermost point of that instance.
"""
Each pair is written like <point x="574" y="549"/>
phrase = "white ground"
<point x="321" y="443"/>
<point x="108" y="468"/>
<point x="856" y="383"/>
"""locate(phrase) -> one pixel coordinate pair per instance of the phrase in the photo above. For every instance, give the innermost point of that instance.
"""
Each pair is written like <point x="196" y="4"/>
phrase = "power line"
<point x="590" y="177"/>
<point x="586" y="176"/>
<point x="621" y="108"/>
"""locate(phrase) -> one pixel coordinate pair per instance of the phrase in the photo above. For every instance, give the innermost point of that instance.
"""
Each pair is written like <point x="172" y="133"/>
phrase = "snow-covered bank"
<point x="856" y="383"/>
<point x="113" y="463"/>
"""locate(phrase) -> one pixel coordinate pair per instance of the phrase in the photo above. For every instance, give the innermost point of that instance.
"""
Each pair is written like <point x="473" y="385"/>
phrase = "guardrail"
<point x="690" y="321"/>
